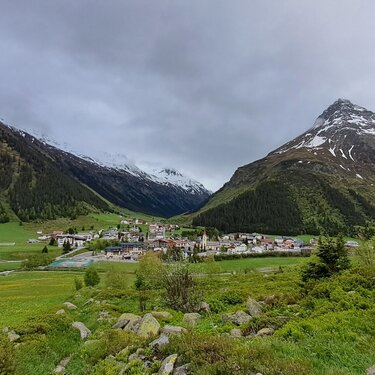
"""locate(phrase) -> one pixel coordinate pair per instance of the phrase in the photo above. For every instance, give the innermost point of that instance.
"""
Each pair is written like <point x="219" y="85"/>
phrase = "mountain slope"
<point x="325" y="178"/>
<point x="42" y="181"/>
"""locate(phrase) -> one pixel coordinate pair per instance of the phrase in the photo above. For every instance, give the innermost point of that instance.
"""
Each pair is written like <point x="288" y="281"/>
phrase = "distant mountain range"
<point x="39" y="180"/>
<point x="321" y="181"/>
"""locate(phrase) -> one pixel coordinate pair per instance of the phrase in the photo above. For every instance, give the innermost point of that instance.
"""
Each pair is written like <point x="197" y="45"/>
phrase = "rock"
<point x="13" y="336"/>
<point x="60" y="369"/>
<point x="173" y="330"/>
<point x="191" y="319"/>
<point x="160" y="342"/>
<point x="5" y="330"/>
<point x="265" y="332"/>
<point x="371" y="371"/>
<point x="60" y="312"/>
<point x="83" y="330"/>
<point x="90" y="300"/>
<point x="70" y="306"/>
<point x="167" y="365"/>
<point x="240" y="317"/>
<point x="182" y="370"/>
<point x="148" y="326"/>
<point x="162" y="315"/>
<point x="236" y="332"/>
<point x="121" y="323"/>
<point x="352" y="292"/>
<point x="132" y="321"/>
<point x="204" y="307"/>
<point x="253" y="307"/>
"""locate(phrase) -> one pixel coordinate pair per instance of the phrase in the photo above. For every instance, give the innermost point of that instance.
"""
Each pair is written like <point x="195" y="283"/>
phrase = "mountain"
<point x="321" y="181"/>
<point x="39" y="180"/>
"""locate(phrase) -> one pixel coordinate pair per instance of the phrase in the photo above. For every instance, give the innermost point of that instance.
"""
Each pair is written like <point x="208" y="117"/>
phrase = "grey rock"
<point x="236" y="332"/>
<point x="371" y="370"/>
<point x="191" y="319"/>
<point x="265" y="332"/>
<point x="5" y="330"/>
<point x="167" y="365"/>
<point x="13" y="336"/>
<point x="60" y="368"/>
<point x="173" y="330"/>
<point x="160" y="342"/>
<point x="60" y="312"/>
<point x="253" y="307"/>
<point x="204" y="307"/>
<point x="133" y="321"/>
<point x="83" y="330"/>
<point x="121" y="323"/>
<point x="182" y="370"/>
<point x="70" y="306"/>
<point x="239" y="318"/>
<point x="148" y="326"/>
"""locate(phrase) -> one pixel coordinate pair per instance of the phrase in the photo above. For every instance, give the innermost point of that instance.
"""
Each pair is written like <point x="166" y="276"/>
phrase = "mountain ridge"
<point x="336" y="153"/>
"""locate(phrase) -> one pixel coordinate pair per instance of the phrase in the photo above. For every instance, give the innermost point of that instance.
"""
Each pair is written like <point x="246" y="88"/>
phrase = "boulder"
<point x="167" y="365"/>
<point x="182" y="370"/>
<point x="253" y="307"/>
<point x="371" y="371"/>
<point x="148" y="326"/>
<point x="236" y="333"/>
<point x="60" y="368"/>
<point x="83" y="330"/>
<point x="265" y="332"/>
<point x="162" y="315"/>
<point x="239" y="317"/>
<point x="13" y="336"/>
<point x="191" y="319"/>
<point x="70" y="306"/>
<point x="132" y="321"/>
<point x="60" y="312"/>
<point x="173" y="330"/>
<point x="5" y="330"/>
<point x="204" y="307"/>
<point x="160" y="342"/>
<point x="121" y="323"/>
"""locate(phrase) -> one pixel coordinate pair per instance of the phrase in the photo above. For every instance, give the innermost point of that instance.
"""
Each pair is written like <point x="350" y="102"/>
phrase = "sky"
<point x="203" y="86"/>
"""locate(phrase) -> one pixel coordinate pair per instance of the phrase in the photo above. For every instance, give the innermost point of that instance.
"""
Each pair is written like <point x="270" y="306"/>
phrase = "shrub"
<point x="37" y="260"/>
<point x="7" y="362"/>
<point x="232" y="298"/>
<point x="78" y="284"/>
<point x="45" y="250"/>
<point x="91" y="277"/>
<point x="116" y="278"/>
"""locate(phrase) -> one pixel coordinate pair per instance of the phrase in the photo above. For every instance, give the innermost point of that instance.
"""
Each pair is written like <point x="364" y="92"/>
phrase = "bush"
<point x="78" y="284"/>
<point x="37" y="260"/>
<point x="91" y="277"/>
<point x="116" y="278"/>
<point x="7" y="362"/>
<point x="45" y="250"/>
<point x="232" y="298"/>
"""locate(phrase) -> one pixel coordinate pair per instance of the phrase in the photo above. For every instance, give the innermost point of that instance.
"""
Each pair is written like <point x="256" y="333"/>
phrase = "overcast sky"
<point x="203" y="86"/>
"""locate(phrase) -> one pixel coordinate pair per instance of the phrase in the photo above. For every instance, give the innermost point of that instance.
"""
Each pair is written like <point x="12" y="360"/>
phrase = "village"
<point x="132" y="238"/>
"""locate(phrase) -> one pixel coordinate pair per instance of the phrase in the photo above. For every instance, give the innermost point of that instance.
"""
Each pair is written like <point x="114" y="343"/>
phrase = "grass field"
<point x="4" y="266"/>
<point x="26" y="294"/>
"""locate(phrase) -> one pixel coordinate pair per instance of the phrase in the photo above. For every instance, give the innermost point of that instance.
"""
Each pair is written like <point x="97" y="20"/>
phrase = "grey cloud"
<point x="202" y="86"/>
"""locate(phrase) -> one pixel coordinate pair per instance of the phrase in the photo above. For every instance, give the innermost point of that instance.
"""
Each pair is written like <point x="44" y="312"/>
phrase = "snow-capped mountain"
<point x="114" y="177"/>
<point x="324" y="177"/>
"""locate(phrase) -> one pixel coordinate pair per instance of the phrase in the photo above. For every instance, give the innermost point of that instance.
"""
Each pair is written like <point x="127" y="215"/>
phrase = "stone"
<point x="265" y="332"/>
<point x="204" y="307"/>
<point x="191" y="319"/>
<point x="83" y="330"/>
<point x="235" y="332"/>
<point x="253" y="307"/>
<point x="60" y="368"/>
<point x="371" y="371"/>
<point x="70" y="306"/>
<point x="161" y="341"/>
<point x="133" y="321"/>
<point x="121" y="323"/>
<point x="182" y="370"/>
<point x="13" y="336"/>
<point x="90" y="300"/>
<point x="239" y="318"/>
<point x="352" y="292"/>
<point x="148" y="326"/>
<point x="162" y="315"/>
<point x="60" y="312"/>
<point x="167" y="365"/>
<point x="173" y="330"/>
<point x="5" y="330"/>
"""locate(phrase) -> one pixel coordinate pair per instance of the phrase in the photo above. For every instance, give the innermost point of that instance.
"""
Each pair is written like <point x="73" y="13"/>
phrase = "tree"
<point x="91" y="277"/>
<point x="52" y="242"/>
<point x="366" y="252"/>
<point x="66" y="247"/>
<point x="45" y="250"/>
<point x="331" y="258"/>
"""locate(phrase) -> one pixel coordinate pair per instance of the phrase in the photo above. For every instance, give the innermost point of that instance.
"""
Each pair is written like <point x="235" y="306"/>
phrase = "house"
<point x="74" y="240"/>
